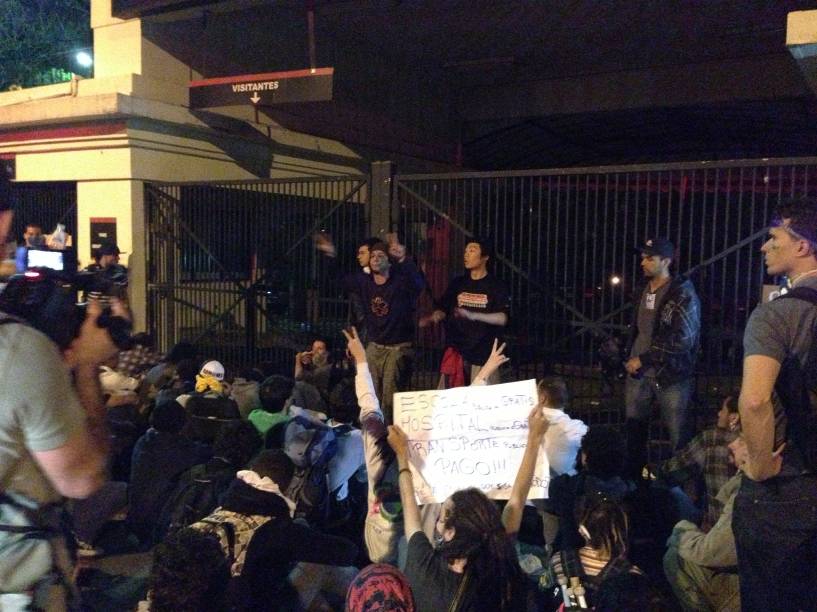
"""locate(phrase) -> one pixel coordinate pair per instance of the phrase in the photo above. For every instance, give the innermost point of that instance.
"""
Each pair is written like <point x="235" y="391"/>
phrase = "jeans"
<point x="673" y="400"/>
<point x="391" y="367"/>
<point x="775" y="526"/>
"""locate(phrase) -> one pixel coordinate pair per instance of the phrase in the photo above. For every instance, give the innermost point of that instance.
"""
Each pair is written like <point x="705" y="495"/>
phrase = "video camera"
<point x="45" y="296"/>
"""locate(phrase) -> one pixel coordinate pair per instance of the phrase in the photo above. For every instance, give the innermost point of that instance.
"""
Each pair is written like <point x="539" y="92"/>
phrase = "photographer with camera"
<point x="53" y="444"/>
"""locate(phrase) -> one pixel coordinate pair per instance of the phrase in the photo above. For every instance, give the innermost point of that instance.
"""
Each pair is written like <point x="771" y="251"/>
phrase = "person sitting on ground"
<point x="383" y="525"/>
<point x="707" y="454"/>
<point x="274" y="393"/>
<point x="200" y="489"/>
<point x="140" y="358"/>
<point x="313" y="366"/>
<point x="189" y="573"/>
<point x="163" y="372"/>
<point x="159" y="457"/>
<point x="244" y="390"/>
<point x="181" y="383"/>
<point x="208" y="407"/>
<point x="349" y="458"/>
<point x="380" y="587"/>
<point x="701" y="567"/>
<point x="604" y="528"/>
<point x="267" y="543"/>
<point x="601" y="461"/>
<point x="475" y="566"/>
<point x="564" y="435"/>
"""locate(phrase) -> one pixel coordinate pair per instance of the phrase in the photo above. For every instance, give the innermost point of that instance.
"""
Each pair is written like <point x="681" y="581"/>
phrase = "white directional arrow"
<point x="255" y="98"/>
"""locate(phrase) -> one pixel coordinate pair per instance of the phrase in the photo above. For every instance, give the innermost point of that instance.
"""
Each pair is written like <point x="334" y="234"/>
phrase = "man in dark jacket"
<point x="266" y="544"/>
<point x="664" y="347"/>
<point x="159" y="458"/>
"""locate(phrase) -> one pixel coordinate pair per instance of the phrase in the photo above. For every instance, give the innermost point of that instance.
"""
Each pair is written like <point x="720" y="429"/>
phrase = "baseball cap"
<point x="108" y="248"/>
<point x="214" y="369"/>
<point x="657" y="246"/>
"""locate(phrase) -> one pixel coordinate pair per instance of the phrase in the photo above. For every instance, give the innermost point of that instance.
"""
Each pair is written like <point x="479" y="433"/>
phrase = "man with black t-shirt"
<point x="475" y="310"/>
<point x="388" y="296"/>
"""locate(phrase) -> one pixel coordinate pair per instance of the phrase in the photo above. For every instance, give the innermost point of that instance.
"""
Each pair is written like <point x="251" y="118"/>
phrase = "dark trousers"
<point x="775" y="526"/>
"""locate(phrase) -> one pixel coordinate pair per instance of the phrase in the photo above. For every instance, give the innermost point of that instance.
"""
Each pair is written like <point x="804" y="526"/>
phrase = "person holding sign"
<point x="475" y="566"/>
<point x="384" y="525"/>
<point x="475" y="309"/>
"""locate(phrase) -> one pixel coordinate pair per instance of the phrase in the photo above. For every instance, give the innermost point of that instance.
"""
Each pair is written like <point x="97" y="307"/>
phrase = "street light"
<point x="84" y="59"/>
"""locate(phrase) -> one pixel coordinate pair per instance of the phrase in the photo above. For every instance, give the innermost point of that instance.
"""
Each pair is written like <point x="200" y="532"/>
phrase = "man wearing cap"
<point x="775" y="516"/>
<point x="664" y="346"/>
<point x="388" y="296"/>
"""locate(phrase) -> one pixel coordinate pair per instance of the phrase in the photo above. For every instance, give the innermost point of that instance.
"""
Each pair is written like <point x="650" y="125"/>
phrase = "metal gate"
<point x="232" y="266"/>
<point x="565" y="240"/>
<point x="44" y="204"/>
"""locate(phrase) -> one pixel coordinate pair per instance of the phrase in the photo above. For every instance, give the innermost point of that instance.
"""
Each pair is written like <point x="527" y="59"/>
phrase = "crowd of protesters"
<point x="288" y="487"/>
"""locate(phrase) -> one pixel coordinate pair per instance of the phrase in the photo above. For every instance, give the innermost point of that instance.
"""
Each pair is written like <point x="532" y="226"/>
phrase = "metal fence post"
<point x="380" y="200"/>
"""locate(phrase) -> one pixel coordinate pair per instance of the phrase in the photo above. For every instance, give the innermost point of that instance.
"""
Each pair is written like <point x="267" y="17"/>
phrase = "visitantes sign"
<point x="469" y="437"/>
<point x="310" y="85"/>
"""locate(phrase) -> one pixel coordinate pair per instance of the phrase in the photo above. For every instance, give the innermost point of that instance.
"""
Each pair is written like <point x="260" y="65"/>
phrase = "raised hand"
<point x="354" y="345"/>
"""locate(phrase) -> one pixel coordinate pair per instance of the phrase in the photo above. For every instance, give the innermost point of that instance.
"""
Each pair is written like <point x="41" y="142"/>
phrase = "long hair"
<point x="606" y="525"/>
<point x="480" y="539"/>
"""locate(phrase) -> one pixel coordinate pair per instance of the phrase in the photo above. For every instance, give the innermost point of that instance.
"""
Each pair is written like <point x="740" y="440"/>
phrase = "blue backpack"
<point x="310" y="444"/>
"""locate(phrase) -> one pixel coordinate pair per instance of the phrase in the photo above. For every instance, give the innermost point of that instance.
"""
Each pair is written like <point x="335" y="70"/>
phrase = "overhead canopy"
<point x="520" y="84"/>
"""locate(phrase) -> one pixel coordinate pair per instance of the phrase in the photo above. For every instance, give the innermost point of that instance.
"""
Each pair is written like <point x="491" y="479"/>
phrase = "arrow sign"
<point x="311" y="85"/>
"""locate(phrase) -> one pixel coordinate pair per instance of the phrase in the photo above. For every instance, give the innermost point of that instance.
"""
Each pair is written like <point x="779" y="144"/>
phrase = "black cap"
<point x="657" y="246"/>
<point x="108" y="248"/>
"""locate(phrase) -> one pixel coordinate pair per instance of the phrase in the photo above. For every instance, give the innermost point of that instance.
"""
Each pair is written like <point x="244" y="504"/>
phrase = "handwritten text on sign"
<point x="469" y="437"/>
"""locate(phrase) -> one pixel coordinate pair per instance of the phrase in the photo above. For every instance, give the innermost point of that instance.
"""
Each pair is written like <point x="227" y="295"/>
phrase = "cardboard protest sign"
<point x="469" y="437"/>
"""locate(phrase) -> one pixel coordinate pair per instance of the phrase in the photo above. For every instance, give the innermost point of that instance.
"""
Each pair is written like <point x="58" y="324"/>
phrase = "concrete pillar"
<point x="124" y="201"/>
<point x="380" y="202"/>
<point x="121" y="47"/>
<point x="801" y="40"/>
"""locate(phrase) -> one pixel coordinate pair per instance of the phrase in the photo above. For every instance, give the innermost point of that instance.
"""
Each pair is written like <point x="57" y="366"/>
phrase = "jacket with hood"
<point x="276" y="546"/>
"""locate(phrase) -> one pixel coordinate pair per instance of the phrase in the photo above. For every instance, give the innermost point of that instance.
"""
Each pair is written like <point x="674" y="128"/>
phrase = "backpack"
<point x="208" y="414"/>
<point x="310" y="444"/>
<point x="234" y="532"/>
<point x="194" y="497"/>
<point x="572" y="567"/>
<point x="796" y="386"/>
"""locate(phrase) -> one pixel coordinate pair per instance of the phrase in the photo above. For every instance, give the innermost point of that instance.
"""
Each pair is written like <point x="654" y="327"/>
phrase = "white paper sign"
<point x="469" y="437"/>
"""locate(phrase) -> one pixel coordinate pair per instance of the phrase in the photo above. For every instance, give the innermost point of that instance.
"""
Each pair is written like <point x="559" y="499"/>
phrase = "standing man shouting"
<point x="388" y="296"/>
<point x="475" y="309"/>
<point x="775" y="517"/>
<point x="665" y="339"/>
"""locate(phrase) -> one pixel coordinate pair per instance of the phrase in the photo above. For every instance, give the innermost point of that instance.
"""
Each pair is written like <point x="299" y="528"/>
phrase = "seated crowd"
<point x="288" y="490"/>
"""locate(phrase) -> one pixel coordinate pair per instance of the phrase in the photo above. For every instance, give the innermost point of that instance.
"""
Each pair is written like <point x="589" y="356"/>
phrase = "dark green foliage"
<point x="39" y="39"/>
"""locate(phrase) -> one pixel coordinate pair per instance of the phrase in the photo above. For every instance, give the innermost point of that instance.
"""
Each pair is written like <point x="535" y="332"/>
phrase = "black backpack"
<point x="195" y="495"/>
<point x="796" y="386"/>
<point x="208" y="414"/>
